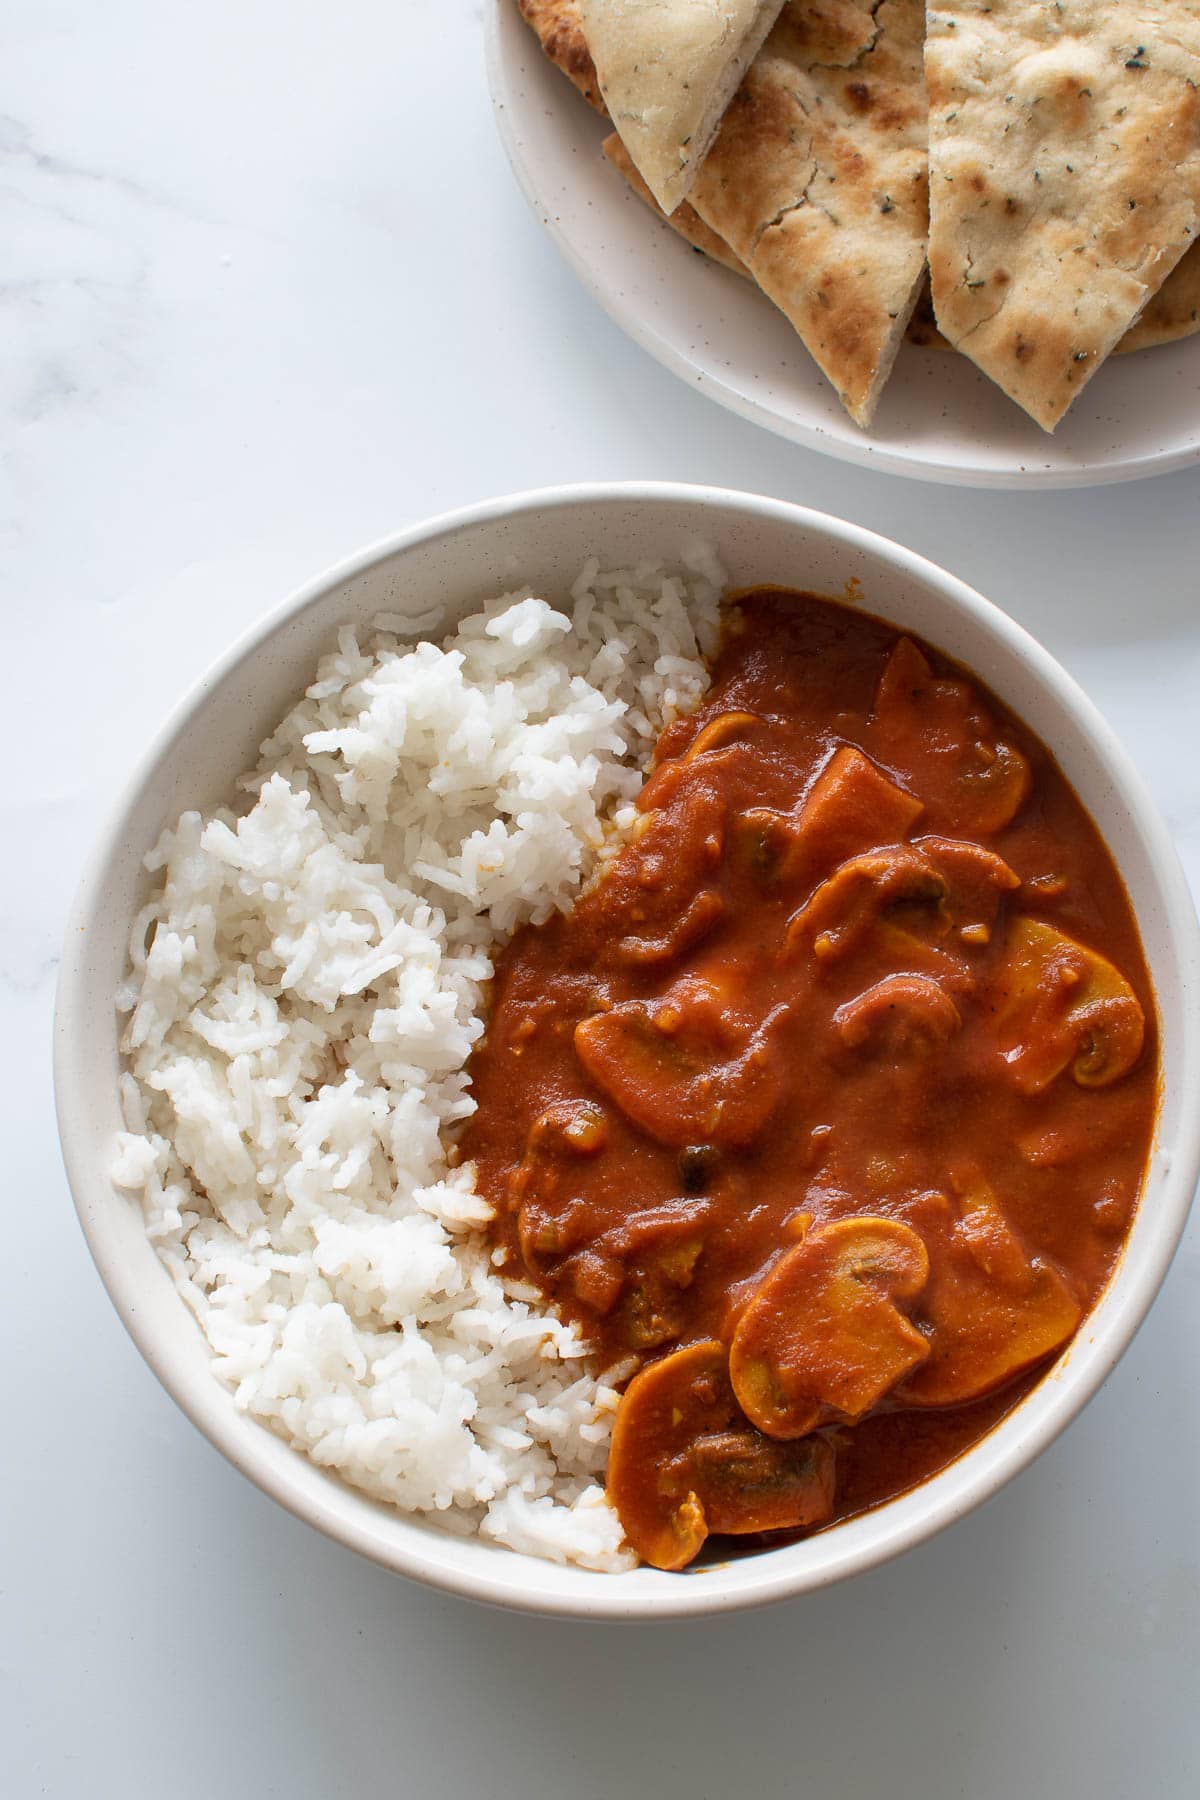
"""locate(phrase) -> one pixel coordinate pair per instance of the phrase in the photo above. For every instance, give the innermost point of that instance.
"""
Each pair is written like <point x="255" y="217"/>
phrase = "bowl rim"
<point x="210" y="1412"/>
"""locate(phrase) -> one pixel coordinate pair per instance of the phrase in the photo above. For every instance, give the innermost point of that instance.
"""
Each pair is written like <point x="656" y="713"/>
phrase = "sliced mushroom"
<point x="683" y="1463"/>
<point x="844" y="908"/>
<point x="692" y="925"/>
<point x="720" y="732"/>
<point x="653" y="1309"/>
<point x="596" y="1280"/>
<point x="546" y="1232"/>
<point x="826" y="1336"/>
<point x="574" y="1127"/>
<point x="566" y="1130"/>
<point x="851" y="807"/>
<point x="663" y="1410"/>
<point x="991" y="1309"/>
<point x="935" y="955"/>
<point x="901" y="1012"/>
<point x="1061" y="1003"/>
<point x="937" y="727"/>
<point x="719" y="737"/>
<point x="977" y="881"/>
<point x="752" y="1483"/>
<point x="681" y="1071"/>
<point x="648" y="1262"/>
<point x="547" y="1218"/>
<point x="657" y="1228"/>
<point x="994" y="785"/>
<point x="939" y="888"/>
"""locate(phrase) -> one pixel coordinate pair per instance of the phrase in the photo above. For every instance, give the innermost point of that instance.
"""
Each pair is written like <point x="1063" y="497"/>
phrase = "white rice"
<point x="307" y="984"/>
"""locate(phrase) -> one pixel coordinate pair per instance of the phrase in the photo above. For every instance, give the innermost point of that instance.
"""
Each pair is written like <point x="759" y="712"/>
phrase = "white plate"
<point x="939" y="419"/>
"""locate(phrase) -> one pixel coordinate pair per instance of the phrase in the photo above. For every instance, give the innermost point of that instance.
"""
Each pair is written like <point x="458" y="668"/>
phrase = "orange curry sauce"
<point x="827" y="1108"/>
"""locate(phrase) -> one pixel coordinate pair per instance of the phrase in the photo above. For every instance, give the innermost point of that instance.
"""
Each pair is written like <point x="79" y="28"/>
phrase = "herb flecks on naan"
<point x="668" y="69"/>
<point x="1173" y="313"/>
<point x="818" y="183"/>
<point x="1065" y="180"/>
<point x="559" y="31"/>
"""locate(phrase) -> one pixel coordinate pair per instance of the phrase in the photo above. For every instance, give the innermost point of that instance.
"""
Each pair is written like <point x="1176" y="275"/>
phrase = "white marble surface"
<point x="267" y="291"/>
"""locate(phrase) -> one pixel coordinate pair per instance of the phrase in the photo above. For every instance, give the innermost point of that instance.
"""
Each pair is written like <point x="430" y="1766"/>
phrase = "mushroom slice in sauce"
<point x="1061" y="1003"/>
<point x="753" y="1483"/>
<point x="991" y="1311"/>
<point x="692" y="925"/>
<point x="725" y="729"/>
<point x="976" y="882"/>
<point x="826" y="1334"/>
<point x="842" y="911"/>
<point x="680" y="1070"/>
<point x="938" y="886"/>
<point x="683" y="1462"/>
<point x="717" y="742"/>
<point x="538" y="1191"/>
<point x="653" y="1256"/>
<point x="680" y="840"/>
<point x="935" y="726"/>
<point x="901" y="1012"/>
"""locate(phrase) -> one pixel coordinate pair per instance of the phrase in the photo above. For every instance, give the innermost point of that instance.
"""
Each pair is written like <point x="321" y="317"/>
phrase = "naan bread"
<point x="1065" y="180"/>
<point x="667" y="71"/>
<point x="922" y="327"/>
<point x="686" y="222"/>
<point x="1174" y="311"/>
<point x="818" y="182"/>
<point x="685" y="219"/>
<point x="559" y="30"/>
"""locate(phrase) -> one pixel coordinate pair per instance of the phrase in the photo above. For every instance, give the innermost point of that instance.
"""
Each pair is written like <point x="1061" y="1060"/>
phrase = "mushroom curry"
<point x="825" y="1111"/>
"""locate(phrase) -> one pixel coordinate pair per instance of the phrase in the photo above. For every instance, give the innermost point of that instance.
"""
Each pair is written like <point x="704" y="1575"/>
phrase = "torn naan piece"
<point x="686" y="222"/>
<point x="559" y="30"/>
<point x="1065" y="180"/>
<point x="667" y="71"/>
<point x="818" y="183"/>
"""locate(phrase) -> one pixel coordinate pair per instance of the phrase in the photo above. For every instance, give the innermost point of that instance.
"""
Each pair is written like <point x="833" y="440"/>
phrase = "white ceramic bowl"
<point x="542" y="539"/>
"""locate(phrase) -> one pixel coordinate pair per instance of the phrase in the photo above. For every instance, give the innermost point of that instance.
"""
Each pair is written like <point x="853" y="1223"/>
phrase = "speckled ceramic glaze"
<point x="940" y="419"/>
<point x="542" y="539"/>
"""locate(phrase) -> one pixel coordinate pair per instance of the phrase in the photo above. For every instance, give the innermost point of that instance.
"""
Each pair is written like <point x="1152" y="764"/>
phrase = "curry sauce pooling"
<point x="826" y="1110"/>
